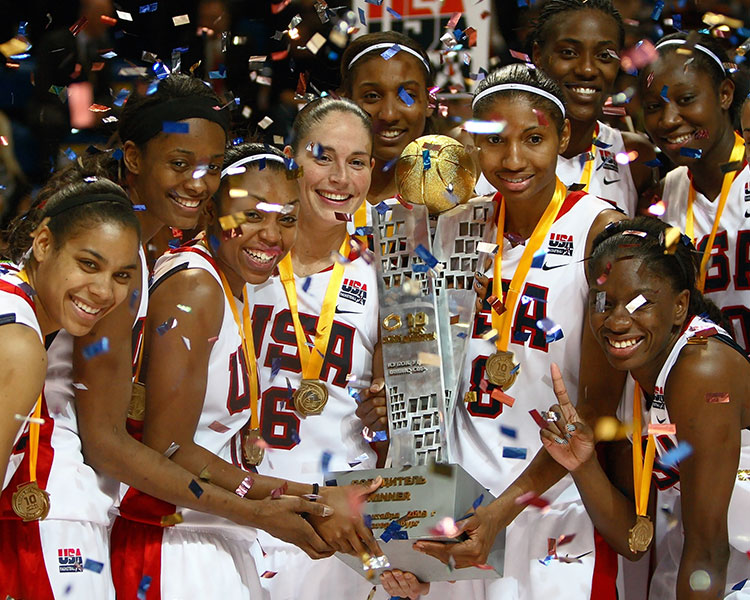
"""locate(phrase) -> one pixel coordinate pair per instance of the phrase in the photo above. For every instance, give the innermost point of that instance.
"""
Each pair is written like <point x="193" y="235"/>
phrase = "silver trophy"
<point x="426" y="268"/>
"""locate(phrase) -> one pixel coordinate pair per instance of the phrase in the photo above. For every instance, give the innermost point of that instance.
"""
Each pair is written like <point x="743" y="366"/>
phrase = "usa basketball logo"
<point x="70" y="560"/>
<point x="353" y="290"/>
<point x="560" y="244"/>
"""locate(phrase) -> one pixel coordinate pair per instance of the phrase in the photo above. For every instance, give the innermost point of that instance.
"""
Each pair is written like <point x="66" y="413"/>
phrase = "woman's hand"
<point x="403" y="585"/>
<point x="371" y="409"/>
<point x="346" y="531"/>
<point x="569" y="441"/>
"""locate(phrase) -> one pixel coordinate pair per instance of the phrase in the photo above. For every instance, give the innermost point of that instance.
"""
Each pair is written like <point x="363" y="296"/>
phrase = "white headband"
<point x="703" y="49"/>
<point x="249" y="159"/>
<point x="501" y="87"/>
<point x="385" y="45"/>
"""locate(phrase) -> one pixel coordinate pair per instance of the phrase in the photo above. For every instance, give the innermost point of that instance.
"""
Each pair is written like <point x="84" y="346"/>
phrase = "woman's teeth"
<point x="516" y="179"/>
<point x="680" y="139"/>
<point x="186" y="202"/>
<point x="624" y="343"/>
<point x="390" y="133"/>
<point x="335" y="197"/>
<point x="259" y="255"/>
<point x="587" y="91"/>
<point x="89" y="310"/>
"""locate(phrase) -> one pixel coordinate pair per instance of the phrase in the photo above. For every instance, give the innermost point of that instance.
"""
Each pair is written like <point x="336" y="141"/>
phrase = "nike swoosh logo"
<point x="747" y="214"/>
<point x="546" y="267"/>
<point x="346" y="312"/>
<point x="660" y="420"/>
<point x="606" y="182"/>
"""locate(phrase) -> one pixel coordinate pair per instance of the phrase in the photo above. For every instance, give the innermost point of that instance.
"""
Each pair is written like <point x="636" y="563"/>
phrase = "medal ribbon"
<point x="642" y="468"/>
<point x="502" y="323"/>
<point x="33" y="427"/>
<point x="738" y="152"/>
<point x="360" y="220"/>
<point x="312" y="362"/>
<point x="245" y="327"/>
<point x="588" y="168"/>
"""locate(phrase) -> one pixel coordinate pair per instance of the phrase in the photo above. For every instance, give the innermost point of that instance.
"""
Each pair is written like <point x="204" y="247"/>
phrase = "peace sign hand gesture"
<point x="569" y="441"/>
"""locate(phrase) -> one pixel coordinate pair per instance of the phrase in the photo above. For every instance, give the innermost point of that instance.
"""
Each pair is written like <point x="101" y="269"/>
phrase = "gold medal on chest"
<point x="310" y="398"/>
<point x="30" y="502"/>
<point x="641" y="534"/>
<point x="501" y="370"/>
<point x="251" y="449"/>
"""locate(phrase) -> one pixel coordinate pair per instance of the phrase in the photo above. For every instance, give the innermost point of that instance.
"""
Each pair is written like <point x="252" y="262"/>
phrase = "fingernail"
<point x="560" y="440"/>
<point x="567" y="436"/>
<point x="327" y="511"/>
<point x="570" y="427"/>
<point x="477" y="274"/>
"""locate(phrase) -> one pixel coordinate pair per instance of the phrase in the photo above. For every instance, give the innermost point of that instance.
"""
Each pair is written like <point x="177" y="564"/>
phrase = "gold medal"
<point x="137" y="407"/>
<point x="501" y="370"/>
<point x="251" y="450"/>
<point x="30" y="502"/>
<point x="641" y="534"/>
<point x="310" y="398"/>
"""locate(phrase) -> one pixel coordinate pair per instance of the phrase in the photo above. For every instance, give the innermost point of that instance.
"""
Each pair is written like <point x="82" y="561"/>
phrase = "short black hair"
<point x="554" y="8"/>
<point x="527" y="75"/>
<point x="235" y="153"/>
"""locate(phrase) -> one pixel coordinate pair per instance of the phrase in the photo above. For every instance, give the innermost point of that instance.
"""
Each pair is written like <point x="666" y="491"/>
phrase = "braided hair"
<point x="553" y="8"/>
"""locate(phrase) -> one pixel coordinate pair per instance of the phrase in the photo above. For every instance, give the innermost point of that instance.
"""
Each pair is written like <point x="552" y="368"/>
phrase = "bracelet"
<point x="244" y="487"/>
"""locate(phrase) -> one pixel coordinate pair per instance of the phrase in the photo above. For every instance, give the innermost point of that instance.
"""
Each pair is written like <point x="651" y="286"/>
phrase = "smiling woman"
<point x="75" y="256"/>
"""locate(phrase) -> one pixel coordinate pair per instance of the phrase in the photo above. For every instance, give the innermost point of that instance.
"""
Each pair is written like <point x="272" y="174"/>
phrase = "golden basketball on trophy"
<point x="437" y="171"/>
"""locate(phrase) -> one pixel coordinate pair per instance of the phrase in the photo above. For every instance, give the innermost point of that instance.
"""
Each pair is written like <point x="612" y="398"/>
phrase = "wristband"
<point x="244" y="487"/>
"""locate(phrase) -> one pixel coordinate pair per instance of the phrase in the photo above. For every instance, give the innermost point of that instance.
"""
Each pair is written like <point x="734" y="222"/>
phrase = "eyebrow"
<point x="356" y="152"/>
<point x="575" y="41"/>
<point x="262" y="199"/>
<point x="191" y="153"/>
<point x="98" y="256"/>
<point x="402" y="83"/>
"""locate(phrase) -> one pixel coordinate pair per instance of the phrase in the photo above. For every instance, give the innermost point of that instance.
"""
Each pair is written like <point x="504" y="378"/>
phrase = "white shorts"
<point x="183" y="563"/>
<point x="55" y="559"/>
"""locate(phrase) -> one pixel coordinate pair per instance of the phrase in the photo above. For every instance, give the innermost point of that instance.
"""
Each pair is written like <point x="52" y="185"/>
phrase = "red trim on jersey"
<point x="198" y="250"/>
<point x="570" y="201"/>
<point x="23" y="573"/>
<point x="142" y="508"/>
<point x="135" y="551"/>
<point x="604" y="579"/>
<point x="43" y="467"/>
<point x="10" y="288"/>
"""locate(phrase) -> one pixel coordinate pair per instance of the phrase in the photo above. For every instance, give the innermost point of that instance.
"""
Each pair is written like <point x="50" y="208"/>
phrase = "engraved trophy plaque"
<point x="426" y="268"/>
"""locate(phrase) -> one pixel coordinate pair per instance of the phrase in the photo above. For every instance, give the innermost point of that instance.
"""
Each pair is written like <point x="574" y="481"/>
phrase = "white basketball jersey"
<point x="16" y="306"/>
<point x="610" y="181"/>
<point x="60" y="460"/>
<point x="487" y="429"/>
<point x="728" y="276"/>
<point x="667" y="478"/>
<point x="226" y="404"/>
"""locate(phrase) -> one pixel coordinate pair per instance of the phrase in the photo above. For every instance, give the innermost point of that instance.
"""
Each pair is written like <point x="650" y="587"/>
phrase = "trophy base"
<point x="418" y="498"/>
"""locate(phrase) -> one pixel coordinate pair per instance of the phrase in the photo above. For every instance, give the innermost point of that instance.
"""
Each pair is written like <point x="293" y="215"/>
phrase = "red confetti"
<point x="538" y="418"/>
<point x="496" y="304"/>
<point x="531" y="499"/>
<point x="218" y="427"/>
<point x="662" y="429"/>
<point x="717" y="397"/>
<point x="565" y="539"/>
<point x="346" y="217"/>
<point x="498" y="394"/>
<point x="268" y="574"/>
<point x="520" y="56"/>
<point x="603" y="277"/>
<point x="279" y="491"/>
<point x="280" y="55"/>
<point x="276" y="9"/>
<point x="453" y="21"/>
<point x="540" y="117"/>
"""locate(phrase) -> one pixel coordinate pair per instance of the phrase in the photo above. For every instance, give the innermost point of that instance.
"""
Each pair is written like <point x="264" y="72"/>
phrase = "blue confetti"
<point x="237" y="141"/>
<point x="515" y="369"/>
<point x="511" y="452"/>
<point x="658" y="7"/>
<point x="393" y="13"/>
<point x="691" y="152"/>
<point x="143" y="587"/>
<point x="554" y="335"/>
<point x="295" y="437"/>
<point x="122" y="95"/>
<point x="174" y="243"/>
<point x="387" y="167"/>
<point x="655" y="162"/>
<point x="677" y="21"/>
<point x="194" y="487"/>
<point x="152" y="87"/>
<point x="379" y="436"/>
<point x="275" y="367"/>
<point x="139" y="207"/>
<point x="737" y="587"/>
<point x="509" y="431"/>
<point x="306" y="284"/>
<point x="392" y="532"/>
<point x="425" y="255"/>
<point x="367" y="520"/>
<point x="664" y="92"/>
<point x="389" y="53"/>
<point x="362" y="17"/>
<point x="175" y="127"/>
<point x="408" y="100"/>
<point x="477" y="502"/>
<point x="261" y="164"/>
<point x="213" y="241"/>
<point x="289" y="389"/>
<point x="98" y="347"/>
<point x="600" y="144"/>
<point x="420" y="268"/>
<point x="325" y="461"/>
<point x="134" y="299"/>
<point x="363" y="231"/>
<point x="22" y="27"/>
<point x="521" y="336"/>
<point x="426" y="163"/>
<point x="538" y="259"/>
<point x="93" y="565"/>
<point x="70" y="154"/>
<point x="676" y="454"/>
<point x="217" y="74"/>
<point x="147" y="8"/>
<point x="382" y="208"/>
<point x="375" y="2"/>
